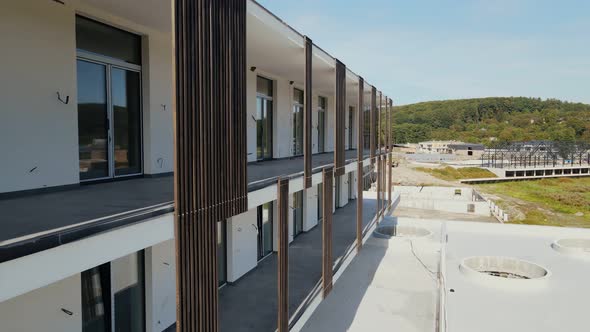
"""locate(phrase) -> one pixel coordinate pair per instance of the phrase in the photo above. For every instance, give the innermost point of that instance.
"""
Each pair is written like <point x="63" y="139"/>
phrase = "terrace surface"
<point x="42" y="212"/>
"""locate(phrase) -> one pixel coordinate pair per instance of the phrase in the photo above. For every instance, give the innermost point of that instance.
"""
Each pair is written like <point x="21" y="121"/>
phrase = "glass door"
<point x="126" y="115"/>
<point x="297" y="213"/>
<point x="322" y="124"/>
<point x="221" y="252"/>
<point x="350" y="185"/>
<point x="93" y="121"/>
<point x="265" y="217"/>
<point x="297" y="122"/>
<point x="264" y="111"/>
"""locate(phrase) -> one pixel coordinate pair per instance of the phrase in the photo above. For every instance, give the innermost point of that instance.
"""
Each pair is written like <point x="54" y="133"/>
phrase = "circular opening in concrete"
<point x="389" y="231"/>
<point x="572" y="246"/>
<point x="502" y="267"/>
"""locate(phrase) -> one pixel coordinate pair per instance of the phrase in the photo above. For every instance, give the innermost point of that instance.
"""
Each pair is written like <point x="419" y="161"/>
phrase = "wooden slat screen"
<point x="210" y="147"/>
<point x="307" y="126"/>
<point x="283" y="255"/>
<point x="379" y="122"/>
<point x="373" y="120"/>
<point x="340" y="118"/>
<point x="359" y="167"/>
<point x="327" y="205"/>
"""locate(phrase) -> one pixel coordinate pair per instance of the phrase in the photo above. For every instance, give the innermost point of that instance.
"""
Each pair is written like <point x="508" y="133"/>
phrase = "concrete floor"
<point x="250" y="304"/>
<point x="35" y="213"/>
<point x="385" y="288"/>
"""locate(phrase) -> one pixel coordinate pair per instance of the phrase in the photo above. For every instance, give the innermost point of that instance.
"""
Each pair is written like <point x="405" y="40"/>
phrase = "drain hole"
<point x="502" y="267"/>
<point x="389" y="231"/>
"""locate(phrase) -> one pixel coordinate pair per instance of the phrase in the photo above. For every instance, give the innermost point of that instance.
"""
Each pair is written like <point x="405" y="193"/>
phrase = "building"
<point x="467" y="149"/>
<point x="116" y="168"/>
<point x="441" y="147"/>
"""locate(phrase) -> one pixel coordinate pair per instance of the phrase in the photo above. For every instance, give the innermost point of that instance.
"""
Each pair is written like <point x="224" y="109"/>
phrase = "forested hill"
<point x="483" y="119"/>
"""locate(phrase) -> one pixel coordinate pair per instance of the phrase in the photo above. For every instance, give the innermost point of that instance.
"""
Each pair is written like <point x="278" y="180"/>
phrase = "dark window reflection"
<point x="127" y="119"/>
<point x="92" y="120"/>
<point x="96" y="299"/>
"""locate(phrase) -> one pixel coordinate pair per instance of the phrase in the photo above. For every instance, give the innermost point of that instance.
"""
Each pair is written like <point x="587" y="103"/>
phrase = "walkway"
<point x="250" y="304"/>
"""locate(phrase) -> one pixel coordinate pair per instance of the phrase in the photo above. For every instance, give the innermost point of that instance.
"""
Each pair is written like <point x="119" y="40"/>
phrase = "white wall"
<point x="343" y="190"/>
<point x="37" y="130"/>
<point x="39" y="60"/>
<point x="242" y="244"/>
<point x="40" y="310"/>
<point x="160" y="286"/>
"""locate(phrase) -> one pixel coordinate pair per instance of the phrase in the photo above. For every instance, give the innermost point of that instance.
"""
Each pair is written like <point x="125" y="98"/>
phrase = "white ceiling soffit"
<point x="153" y="14"/>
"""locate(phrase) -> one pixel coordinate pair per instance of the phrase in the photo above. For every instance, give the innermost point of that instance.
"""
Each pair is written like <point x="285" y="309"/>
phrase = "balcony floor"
<point x="31" y="214"/>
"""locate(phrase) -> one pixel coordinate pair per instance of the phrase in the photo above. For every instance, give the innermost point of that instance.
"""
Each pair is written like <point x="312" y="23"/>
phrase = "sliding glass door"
<point x="109" y="101"/>
<point x="297" y="213"/>
<point x="93" y="120"/>
<point x="297" y="122"/>
<point x="322" y="105"/>
<point x="264" y="226"/>
<point x="264" y="111"/>
<point x="113" y="296"/>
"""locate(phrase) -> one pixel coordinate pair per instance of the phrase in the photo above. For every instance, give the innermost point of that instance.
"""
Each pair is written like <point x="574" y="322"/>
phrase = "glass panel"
<point x="92" y="120"/>
<point x="367" y="130"/>
<point x="263" y="128"/>
<point x="320" y="202"/>
<point x="96" y="299"/>
<point x="98" y="38"/>
<point x="266" y="229"/>
<point x="127" y="120"/>
<point x="297" y="213"/>
<point x="264" y="86"/>
<point x="221" y="252"/>
<point x="321" y="124"/>
<point x="298" y="123"/>
<point x="129" y="290"/>
<point x="350" y="126"/>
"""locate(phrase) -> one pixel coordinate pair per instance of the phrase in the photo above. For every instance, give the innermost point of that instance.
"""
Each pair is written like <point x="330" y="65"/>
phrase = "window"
<point x="297" y="122"/>
<point x="265" y="231"/>
<point x="320" y="202"/>
<point x="97" y="38"/>
<point x="367" y="128"/>
<point x="297" y="213"/>
<point x="350" y="127"/>
<point x="264" y="118"/>
<point x="322" y="106"/>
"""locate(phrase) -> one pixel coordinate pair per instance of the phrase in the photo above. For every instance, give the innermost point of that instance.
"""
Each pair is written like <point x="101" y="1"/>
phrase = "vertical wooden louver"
<point x="359" y="165"/>
<point x="307" y="114"/>
<point x="327" y="205"/>
<point x="210" y="147"/>
<point x="389" y="151"/>
<point x="340" y="118"/>
<point x="283" y="255"/>
<point x="373" y="120"/>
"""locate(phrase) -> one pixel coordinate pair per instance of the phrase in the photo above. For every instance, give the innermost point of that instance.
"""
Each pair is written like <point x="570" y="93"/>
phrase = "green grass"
<point x="552" y="202"/>
<point x="450" y="173"/>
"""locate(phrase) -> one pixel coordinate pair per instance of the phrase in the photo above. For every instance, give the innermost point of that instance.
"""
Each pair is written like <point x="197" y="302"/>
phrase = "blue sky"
<point x="420" y="50"/>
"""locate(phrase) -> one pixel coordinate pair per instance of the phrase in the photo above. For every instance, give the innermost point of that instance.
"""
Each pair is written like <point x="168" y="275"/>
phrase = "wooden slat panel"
<point x="210" y="146"/>
<point x="340" y="118"/>
<point x="359" y="167"/>
<point x="283" y="255"/>
<point x="379" y="122"/>
<point x="307" y="125"/>
<point x="327" y="195"/>
<point x="373" y="120"/>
